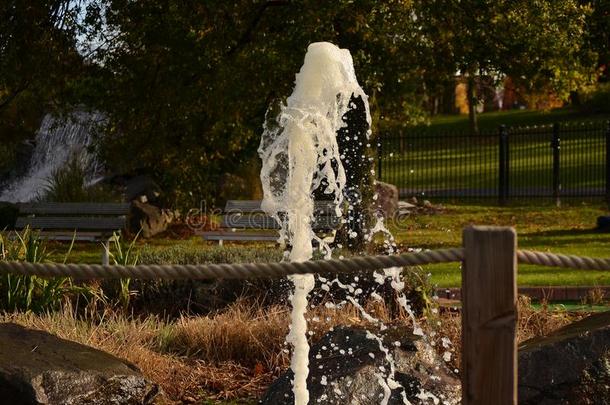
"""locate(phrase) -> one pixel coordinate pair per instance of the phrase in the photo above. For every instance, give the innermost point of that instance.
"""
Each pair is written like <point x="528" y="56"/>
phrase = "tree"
<point x="186" y="84"/>
<point x="38" y="61"/>
<point x="537" y="43"/>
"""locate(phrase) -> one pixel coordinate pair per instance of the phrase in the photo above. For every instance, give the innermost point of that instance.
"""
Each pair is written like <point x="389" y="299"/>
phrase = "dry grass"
<point x="237" y="353"/>
<point x="532" y="323"/>
<point x="234" y="354"/>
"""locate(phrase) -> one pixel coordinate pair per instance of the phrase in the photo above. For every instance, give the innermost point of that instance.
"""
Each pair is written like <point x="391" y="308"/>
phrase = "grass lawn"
<point x="471" y="165"/>
<point x="546" y="228"/>
<point x="443" y="160"/>
<point x="568" y="230"/>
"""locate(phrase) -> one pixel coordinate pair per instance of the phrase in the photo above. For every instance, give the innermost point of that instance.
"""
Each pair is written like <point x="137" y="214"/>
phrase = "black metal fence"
<point x="550" y="161"/>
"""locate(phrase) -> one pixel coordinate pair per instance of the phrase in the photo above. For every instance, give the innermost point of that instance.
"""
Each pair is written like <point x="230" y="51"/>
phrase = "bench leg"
<point x="219" y="242"/>
<point x="106" y="253"/>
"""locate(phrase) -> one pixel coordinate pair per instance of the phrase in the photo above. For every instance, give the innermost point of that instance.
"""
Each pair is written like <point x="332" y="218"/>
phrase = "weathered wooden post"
<point x="489" y="316"/>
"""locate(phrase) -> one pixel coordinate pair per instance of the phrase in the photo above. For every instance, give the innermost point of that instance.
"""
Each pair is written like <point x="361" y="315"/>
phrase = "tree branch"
<point x="247" y="35"/>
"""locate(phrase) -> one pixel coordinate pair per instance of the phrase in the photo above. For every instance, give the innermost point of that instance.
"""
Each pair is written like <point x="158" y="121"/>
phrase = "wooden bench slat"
<point x="261" y="221"/>
<point x="254" y="206"/>
<point x="70" y="223"/>
<point x="78" y="236"/>
<point x="74" y="208"/>
<point x="245" y="236"/>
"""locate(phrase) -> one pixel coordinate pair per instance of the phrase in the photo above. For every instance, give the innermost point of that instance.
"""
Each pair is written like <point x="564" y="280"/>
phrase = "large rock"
<point x="571" y="366"/>
<point x="387" y="198"/>
<point x="148" y="219"/>
<point x="142" y="187"/>
<point x="346" y="367"/>
<point x="39" y="368"/>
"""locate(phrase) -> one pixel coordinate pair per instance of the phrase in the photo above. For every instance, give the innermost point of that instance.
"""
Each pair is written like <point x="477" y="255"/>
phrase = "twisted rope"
<point x="281" y="269"/>
<point x="230" y="271"/>
<point x="558" y="260"/>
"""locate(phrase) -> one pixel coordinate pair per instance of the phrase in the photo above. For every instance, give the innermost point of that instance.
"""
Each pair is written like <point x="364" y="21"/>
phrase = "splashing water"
<point x="56" y="142"/>
<point x="300" y="155"/>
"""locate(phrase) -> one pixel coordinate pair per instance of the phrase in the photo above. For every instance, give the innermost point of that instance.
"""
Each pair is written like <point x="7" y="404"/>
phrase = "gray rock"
<point x="387" y="198"/>
<point x="39" y="368"/>
<point x="570" y="366"/>
<point x="352" y="377"/>
<point x="148" y="219"/>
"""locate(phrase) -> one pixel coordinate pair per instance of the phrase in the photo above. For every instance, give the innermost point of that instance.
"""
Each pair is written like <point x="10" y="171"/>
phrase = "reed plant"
<point x="70" y="183"/>
<point x="32" y="293"/>
<point x="123" y="253"/>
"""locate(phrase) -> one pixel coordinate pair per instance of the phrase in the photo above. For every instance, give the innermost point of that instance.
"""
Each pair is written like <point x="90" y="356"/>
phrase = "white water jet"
<point x="57" y="140"/>
<point x="300" y="154"/>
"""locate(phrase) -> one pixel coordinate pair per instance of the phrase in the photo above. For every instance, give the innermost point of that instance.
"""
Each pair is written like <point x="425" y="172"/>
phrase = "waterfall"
<point x="57" y="140"/>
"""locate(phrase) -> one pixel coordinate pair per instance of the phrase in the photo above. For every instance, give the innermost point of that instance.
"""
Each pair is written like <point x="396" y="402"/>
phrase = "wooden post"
<point x="489" y="316"/>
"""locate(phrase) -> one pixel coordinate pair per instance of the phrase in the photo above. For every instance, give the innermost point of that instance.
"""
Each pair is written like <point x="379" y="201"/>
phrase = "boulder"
<point x="142" y="188"/>
<point x="387" y="198"/>
<point x="347" y="366"/>
<point x="570" y="366"/>
<point x="39" y="368"/>
<point x="148" y="219"/>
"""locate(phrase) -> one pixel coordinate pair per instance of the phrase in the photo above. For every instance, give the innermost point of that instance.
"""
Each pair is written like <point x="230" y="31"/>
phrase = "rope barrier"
<point x="231" y="271"/>
<point x="559" y="260"/>
<point x="281" y="269"/>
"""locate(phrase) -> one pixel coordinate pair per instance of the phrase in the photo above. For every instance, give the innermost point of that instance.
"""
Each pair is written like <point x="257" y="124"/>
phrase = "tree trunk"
<point x="472" y="104"/>
<point x="358" y="193"/>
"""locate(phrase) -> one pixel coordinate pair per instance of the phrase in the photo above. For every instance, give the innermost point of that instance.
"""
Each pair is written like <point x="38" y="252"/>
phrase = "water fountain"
<point x="301" y="158"/>
<point x="57" y="140"/>
<point x="299" y="155"/>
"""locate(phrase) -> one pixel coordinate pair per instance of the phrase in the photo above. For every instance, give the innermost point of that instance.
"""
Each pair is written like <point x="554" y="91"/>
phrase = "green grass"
<point x="445" y="162"/>
<point x="566" y="230"/>
<point x="572" y="306"/>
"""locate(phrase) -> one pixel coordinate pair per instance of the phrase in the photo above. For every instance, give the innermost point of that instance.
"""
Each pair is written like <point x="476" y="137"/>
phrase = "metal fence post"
<point x="379" y="158"/>
<point x="556" y="145"/>
<point x="489" y="316"/>
<point x="503" y="166"/>
<point x="608" y="163"/>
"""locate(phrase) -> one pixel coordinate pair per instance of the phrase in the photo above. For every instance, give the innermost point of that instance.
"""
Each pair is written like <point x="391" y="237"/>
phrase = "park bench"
<point x="244" y="220"/>
<point x="81" y="222"/>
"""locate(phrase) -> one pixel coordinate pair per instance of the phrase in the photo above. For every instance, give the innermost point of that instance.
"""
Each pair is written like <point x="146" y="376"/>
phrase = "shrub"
<point x="197" y="255"/>
<point x="69" y="184"/>
<point x="8" y="215"/>
<point x="172" y="297"/>
<point x="31" y="293"/>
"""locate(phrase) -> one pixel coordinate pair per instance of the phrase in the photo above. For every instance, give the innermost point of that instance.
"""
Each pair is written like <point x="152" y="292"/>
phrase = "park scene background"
<point x="492" y="113"/>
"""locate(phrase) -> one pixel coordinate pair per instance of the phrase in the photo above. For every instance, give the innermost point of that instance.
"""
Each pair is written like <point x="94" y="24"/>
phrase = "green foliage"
<point x="39" y="65"/>
<point x="69" y="184"/>
<point x="597" y="99"/>
<point x="540" y="44"/>
<point x="124" y="254"/>
<point x="185" y="85"/>
<point x="31" y="293"/>
<point x="8" y="215"/>
<point x="180" y="254"/>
